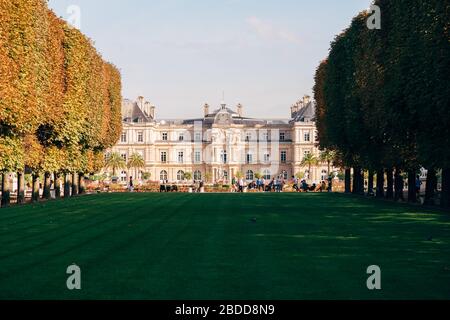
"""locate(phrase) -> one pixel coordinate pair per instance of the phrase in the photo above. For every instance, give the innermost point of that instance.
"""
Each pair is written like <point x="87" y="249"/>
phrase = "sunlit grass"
<point x="223" y="246"/>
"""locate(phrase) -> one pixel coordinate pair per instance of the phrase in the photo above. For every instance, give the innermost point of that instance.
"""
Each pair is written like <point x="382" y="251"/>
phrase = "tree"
<point x="187" y="176"/>
<point x="136" y="161"/>
<point x="115" y="161"/>
<point x="328" y="157"/>
<point x="309" y="160"/>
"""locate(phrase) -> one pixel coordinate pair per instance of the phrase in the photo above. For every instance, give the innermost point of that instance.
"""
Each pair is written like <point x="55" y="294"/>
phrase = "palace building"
<point x="219" y="144"/>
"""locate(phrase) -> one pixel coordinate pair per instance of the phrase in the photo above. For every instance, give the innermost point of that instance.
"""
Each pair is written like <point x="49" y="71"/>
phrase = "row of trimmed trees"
<point x="60" y="103"/>
<point x="383" y="98"/>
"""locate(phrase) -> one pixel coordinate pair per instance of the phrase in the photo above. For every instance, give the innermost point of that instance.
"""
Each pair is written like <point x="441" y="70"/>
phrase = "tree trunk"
<point x="57" y="183"/>
<point x="66" y="185"/>
<point x="6" y="191"/>
<point x="412" y="197"/>
<point x="390" y="184"/>
<point x="398" y="185"/>
<point x="82" y="185"/>
<point x="20" y="187"/>
<point x="356" y="180"/>
<point x="47" y="181"/>
<point x="75" y="184"/>
<point x="329" y="167"/>
<point x="430" y="187"/>
<point x="445" y="193"/>
<point x="347" y="180"/>
<point x="35" y="187"/>
<point x="370" y="183"/>
<point x="380" y="183"/>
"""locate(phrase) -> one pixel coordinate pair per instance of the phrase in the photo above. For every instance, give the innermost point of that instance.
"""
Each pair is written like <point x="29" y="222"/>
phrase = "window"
<point x="266" y="157"/>
<point x="180" y="157"/>
<point x="249" y="175"/>
<point x="265" y="136"/>
<point x="283" y="157"/>
<point x="181" y="137"/>
<point x="266" y="174"/>
<point x="306" y="152"/>
<point x="249" y="158"/>
<point x="197" y="157"/>
<point x="124" y="156"/>
<point x="164" y="136"/>
<point x="198" y="136"/>
<point x="225" y="175"/>
<point x="163" y="175"/>
<point x="180" y="175"/>
<point x="197" y="175"/>
<point x="140" y="136"/>
<point x="123" y="176"/>
<point x="223" y="156"/>
<point x="282" y="136"/>
<point x="123" y="137"/>
<point x="163" y="156"/>
<point x="284" y="174"/>
<point x="307" y="136"/>
<point x="248" y="136"/>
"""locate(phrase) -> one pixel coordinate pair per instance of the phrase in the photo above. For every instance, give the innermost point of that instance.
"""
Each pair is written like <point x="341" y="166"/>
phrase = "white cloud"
<point x="268" y="31"/>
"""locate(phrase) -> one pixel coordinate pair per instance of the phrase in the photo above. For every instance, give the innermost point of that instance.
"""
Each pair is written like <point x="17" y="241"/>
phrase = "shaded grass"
<point x="206" y="246"/>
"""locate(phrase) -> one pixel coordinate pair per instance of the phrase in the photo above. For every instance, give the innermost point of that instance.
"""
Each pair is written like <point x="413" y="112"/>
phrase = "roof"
<point x="306" y="113"/>
<point x="132" y="113"/>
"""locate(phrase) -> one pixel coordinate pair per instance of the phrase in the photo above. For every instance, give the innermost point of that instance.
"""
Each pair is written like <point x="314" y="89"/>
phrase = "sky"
<point x="181" y="54"/>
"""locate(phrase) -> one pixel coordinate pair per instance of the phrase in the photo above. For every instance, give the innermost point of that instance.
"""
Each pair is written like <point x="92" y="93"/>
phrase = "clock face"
<point x="223" y="118"/>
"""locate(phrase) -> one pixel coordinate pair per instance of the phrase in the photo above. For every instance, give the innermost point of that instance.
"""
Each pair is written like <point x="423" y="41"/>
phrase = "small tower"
<point x="206" y="109"/>
<point x="240" y="110"/>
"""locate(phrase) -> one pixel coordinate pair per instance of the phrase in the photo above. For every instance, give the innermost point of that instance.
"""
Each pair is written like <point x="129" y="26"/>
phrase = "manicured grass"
<point x="207" y="246"/>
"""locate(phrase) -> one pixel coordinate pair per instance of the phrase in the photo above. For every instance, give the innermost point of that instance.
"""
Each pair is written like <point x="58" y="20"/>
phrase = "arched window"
<point x="163" y="175"/>
<point x="180" y="175"/>
<point x="266" y="174"/>
<point x="249" y="175"/>
<point x="284" y="174"/>
<point x="197" y="175"/>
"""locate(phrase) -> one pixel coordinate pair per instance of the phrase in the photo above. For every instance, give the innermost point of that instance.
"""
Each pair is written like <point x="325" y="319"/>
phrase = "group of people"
<point x="277" y="184"/>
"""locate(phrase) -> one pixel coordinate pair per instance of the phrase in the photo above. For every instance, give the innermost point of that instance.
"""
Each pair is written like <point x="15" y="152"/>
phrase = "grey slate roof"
<point x="132" y="113"/>
<point x="305" y="114"/>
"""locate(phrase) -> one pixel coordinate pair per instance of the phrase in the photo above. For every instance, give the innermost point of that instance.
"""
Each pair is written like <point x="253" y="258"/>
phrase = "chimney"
<point x="152" y="112"/>
<point x="140" y="101"/>
<point x="306" y="99"/>
<point x="206" y="109"/>
<point x="146" y="108"/>
<point x="240" y="110"/>
<point x="293" y="110"/>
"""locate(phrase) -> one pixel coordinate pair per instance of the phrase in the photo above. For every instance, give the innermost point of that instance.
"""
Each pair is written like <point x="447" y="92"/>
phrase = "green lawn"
<point x="206" y="246"/>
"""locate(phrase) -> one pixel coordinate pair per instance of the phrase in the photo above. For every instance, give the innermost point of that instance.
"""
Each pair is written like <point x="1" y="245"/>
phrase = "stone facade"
<point x="218" y="145"/>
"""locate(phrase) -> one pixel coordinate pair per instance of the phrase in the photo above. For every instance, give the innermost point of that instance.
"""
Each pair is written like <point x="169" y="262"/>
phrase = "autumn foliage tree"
<point x="59" y="100"/>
